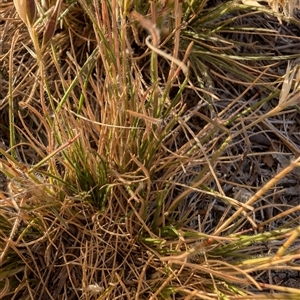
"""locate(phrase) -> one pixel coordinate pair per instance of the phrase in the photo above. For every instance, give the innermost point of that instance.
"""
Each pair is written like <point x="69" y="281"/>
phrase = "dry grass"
<point x="150" y="150"/>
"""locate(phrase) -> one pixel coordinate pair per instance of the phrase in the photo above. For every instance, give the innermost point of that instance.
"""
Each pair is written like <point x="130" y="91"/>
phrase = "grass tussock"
<point x="149" y="150"/>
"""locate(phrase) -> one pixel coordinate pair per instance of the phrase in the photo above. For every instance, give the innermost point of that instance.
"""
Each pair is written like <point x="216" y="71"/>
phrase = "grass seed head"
<point x="51" y="24"/>
<point x="27" y="11"/>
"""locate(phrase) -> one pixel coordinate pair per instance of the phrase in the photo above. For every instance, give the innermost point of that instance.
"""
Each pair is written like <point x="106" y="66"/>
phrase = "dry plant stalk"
<point x="260" y="193"/>
<point x="155" y="35"/>
<point x="287" y="6"/>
